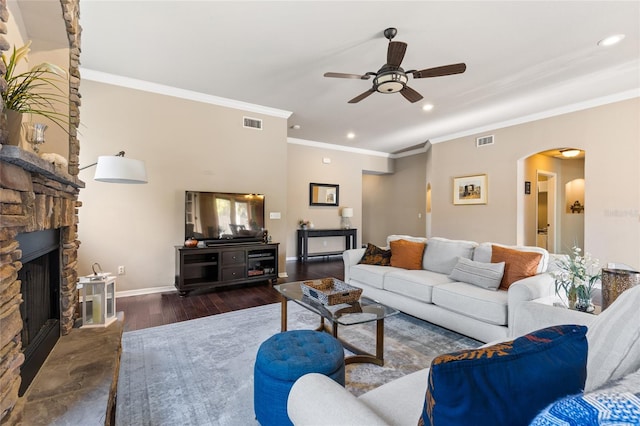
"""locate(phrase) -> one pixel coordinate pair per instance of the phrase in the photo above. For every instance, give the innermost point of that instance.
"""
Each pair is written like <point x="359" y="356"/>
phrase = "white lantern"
<point x="98" y="300"/>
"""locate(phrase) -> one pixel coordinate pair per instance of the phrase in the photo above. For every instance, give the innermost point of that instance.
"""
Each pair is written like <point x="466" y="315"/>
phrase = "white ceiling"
<point x="523" y="59"/>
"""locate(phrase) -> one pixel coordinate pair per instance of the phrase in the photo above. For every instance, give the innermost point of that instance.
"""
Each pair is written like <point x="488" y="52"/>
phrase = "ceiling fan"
<point x="391" y="78"/>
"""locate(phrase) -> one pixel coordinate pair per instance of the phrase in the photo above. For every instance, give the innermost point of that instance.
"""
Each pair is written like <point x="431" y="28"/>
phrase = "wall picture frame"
<point x="469" y="190"/>
<point x="324" y="194"/>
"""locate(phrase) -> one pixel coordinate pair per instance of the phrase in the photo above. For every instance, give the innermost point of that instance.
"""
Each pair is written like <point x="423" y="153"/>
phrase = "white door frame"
<point x="552" y="211"/>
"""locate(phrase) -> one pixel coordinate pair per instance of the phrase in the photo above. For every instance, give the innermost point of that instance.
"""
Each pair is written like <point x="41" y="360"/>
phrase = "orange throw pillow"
<point x="406" y="254"/>
<point x="517" y="264"/>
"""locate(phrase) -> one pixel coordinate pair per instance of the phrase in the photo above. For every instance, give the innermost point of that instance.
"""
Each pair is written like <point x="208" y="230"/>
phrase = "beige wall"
<point x="304" y="166"/>
<point x="609" y="134"/>
<point x="186" y="145"/>
<point x="395" y="203"/>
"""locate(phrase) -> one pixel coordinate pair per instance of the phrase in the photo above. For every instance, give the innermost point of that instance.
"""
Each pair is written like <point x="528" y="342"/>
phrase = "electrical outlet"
<point x="121" y="270"/>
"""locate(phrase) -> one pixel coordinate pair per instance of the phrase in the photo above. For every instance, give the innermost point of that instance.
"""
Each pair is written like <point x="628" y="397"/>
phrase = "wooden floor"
<point x="165" y="308"/>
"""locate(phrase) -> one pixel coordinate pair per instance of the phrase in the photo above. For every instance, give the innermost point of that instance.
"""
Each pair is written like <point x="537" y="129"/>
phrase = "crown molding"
<point x="161" y="89"/>
<point x="592" y="103"/>
<point x="324" y="145"/>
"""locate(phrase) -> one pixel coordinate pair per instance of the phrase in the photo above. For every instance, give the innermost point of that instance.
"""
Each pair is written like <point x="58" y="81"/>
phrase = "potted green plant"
<point x="34" y="91"/>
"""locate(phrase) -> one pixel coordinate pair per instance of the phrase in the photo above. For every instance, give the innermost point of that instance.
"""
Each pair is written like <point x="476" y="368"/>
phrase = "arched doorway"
<point x="551" y="205"/>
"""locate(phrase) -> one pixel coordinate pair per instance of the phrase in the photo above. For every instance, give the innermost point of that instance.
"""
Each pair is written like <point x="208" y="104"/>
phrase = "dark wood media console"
<point x="225" y="264"/>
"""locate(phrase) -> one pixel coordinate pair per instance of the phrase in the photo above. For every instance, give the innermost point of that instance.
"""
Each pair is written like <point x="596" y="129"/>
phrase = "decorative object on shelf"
<point x="98" y="294"/>
<point x="324" y="194"/>
<point x="191" y="242"/>
<point x="118" y="169"/>
<point x="470" y="190"/>
<point x="31" y="92"/>
<point x="35" y="134"/>
<point x="576" y="207"/>
<point x="615" y="281"/>
<point x="304" y="224"/>
<point x="576" y="279"/>
<point x="347" y="214"/>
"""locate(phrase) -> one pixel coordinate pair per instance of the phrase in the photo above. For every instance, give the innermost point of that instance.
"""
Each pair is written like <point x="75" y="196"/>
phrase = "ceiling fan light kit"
<point x="391" y="78"/>
<point x="390" y="81"/>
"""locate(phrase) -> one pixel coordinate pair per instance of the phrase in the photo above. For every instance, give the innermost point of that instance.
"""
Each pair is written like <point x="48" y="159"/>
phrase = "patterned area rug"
<point x="200" y="372"/>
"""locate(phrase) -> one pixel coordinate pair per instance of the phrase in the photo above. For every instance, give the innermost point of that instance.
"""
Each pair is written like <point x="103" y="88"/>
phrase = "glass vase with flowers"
<point x="576" y="278"/>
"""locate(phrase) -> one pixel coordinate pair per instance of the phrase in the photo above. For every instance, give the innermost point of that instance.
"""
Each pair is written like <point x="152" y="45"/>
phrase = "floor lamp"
<point x="118" y="169"/>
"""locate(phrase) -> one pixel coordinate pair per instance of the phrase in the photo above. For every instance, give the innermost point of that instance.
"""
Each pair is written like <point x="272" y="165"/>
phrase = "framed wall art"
<point x="324" y="194"/>
<point x="470" y="190"/>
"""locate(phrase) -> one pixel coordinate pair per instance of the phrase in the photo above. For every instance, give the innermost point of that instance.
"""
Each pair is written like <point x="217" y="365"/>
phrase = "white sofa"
<point x="613" y="364"/>
<point x="431" y="295"/>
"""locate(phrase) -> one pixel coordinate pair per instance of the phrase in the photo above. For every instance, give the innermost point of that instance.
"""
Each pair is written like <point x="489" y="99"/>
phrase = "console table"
<point x="350" y="241"/>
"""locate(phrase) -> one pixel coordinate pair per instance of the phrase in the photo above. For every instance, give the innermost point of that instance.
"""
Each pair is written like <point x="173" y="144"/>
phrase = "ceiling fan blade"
<point x="410" y="94"/>
<point x="345" y="75"/>
<point x="395" y="53"/>
<point x="440" y="71"/>
<point x="361" y="96"/>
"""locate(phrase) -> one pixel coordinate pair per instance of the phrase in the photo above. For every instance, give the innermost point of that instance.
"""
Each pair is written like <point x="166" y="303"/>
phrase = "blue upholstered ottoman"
<point x="285" y="357"/>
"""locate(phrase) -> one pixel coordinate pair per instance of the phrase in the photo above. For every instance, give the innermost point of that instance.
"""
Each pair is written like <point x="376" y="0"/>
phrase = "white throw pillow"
<point x="442" y="254"/>
<point x="485" y="275"/>
<point x="614" y="341"/>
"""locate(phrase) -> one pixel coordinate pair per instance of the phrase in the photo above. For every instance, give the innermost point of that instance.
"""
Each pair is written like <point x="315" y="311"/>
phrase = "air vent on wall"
<point x="484" y="141"/>
<point x="252" y="123"/>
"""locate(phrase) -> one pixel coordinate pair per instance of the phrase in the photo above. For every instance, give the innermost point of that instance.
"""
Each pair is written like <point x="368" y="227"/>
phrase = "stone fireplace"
<point x="37" y="198"/>
<point x="34" y="196"/>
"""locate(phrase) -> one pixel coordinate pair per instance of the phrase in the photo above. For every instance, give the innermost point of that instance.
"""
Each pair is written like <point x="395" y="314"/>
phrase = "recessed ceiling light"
<point x="296" y="127"/>
<point x="427" y="107"/>
<point x="351" y="135"/>
<point x="611" y="40"/>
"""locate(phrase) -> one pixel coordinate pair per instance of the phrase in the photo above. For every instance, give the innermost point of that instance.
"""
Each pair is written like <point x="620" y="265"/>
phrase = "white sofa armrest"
<point x="527" y="289"/>
<point x="351" y="257"/>
<point x="532" y="316"/>
<point x="317" y="400"/>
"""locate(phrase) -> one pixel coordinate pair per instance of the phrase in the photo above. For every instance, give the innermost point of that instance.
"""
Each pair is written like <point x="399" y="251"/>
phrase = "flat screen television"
<point x="223" y="216"/>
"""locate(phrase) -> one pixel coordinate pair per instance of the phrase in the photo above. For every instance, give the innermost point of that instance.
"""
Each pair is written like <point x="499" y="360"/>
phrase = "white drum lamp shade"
<point x="116" y="169"/>
<point x="347" y="212"/>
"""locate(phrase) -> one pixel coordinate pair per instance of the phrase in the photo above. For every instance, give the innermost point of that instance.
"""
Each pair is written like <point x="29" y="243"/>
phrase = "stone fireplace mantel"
<point x="33" y="163"/>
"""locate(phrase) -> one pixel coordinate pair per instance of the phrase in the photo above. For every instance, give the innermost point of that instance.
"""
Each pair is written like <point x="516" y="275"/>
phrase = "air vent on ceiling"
<point x="252" y="123"/>
<point x="484" y="141"/>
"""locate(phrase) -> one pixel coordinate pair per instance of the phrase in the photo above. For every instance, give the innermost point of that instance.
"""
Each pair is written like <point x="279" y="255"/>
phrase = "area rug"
<point x="200" y="372"/>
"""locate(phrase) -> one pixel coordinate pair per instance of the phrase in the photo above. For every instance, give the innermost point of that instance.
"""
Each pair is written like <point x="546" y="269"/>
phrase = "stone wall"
<point x="36" y="195"/>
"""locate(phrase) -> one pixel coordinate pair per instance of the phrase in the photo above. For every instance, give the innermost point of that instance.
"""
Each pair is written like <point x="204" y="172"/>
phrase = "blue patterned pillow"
<point x="595" y="409"/>
<point x="508" y="383"/>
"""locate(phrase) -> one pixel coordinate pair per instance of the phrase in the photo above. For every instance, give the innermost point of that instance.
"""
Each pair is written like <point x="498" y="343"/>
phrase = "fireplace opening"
<point x="40" y="309"/>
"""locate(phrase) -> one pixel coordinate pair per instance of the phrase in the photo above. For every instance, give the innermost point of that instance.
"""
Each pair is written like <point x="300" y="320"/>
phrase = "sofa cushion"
<point x="375" y="255"/>
<point x="508" y="383"/>
<point x="485" y="275"/>
<point x="372" y="275"/>
<point x="442" y="254"/>
<point x="406" y="254"/>
<point x="482" y="253"/>
<point x="614" y="340"/>
<point x="417" y="284"/>
<point x="472" y="301"/>
<point x="518" y="264"/>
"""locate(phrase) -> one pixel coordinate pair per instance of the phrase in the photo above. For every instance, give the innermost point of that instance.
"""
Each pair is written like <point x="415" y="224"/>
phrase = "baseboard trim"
<point x="143" y="291"/>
